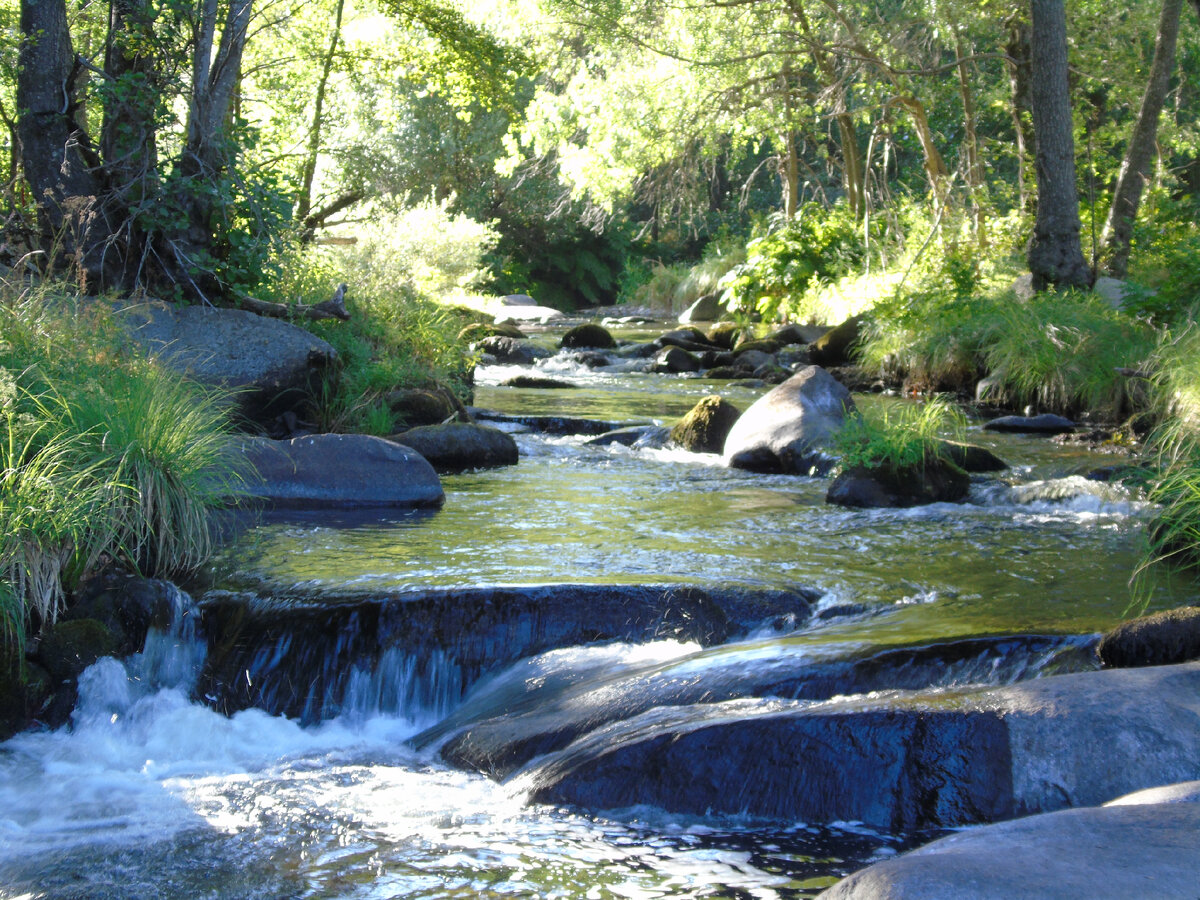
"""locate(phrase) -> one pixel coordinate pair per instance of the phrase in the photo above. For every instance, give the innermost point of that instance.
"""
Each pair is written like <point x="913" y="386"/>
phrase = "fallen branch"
<point x="333" y="308"/>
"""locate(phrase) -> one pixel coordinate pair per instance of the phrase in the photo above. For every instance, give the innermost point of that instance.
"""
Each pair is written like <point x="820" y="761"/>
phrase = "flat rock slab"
<point x="902" y="762"/>
<point x="296" y="654"/>
<point x="270" y="364"/>
<point x="338" y="471"/>
<point x="1046" y="423"/>
<point x="1129" y="849"/>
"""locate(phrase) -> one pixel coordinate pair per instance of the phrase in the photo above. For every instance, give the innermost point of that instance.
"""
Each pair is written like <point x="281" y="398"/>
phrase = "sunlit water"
<point x="153" y="795"/>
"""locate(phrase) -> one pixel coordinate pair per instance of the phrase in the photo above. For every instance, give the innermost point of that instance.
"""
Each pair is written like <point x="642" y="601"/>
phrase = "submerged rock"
<point x="1046" y="423"/>
<point x="1144" y="845"/>
<point x="676" y="361"/>
<point x="1172" y="636"/>
<point x="552" y="424"/>
<point x="705" y="427"/>
<point x="899" y="762"/>
<point x="338" y="471"/>
<point x="458" y="446"/>
<point x="785" y="429"/>
<point x="539" y="382"/>
<point x="637" y="436"/>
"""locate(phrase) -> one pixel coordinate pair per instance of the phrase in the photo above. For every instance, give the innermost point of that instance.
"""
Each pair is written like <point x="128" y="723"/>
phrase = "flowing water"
<point x="152" y="794"/>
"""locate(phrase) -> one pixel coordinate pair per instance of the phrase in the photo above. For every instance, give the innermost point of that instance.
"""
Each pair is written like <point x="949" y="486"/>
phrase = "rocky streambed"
<point x="620" y="668"/>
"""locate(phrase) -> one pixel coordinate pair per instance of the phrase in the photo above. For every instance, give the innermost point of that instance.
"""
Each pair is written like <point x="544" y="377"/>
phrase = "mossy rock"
<point x="478" y="331"/>
<point x="724" y="335"/>
<point x="705" y="427"/>
<point x="420" y="406"/>
<point x="70" y="647"/>
<point x="728" y="373"/>
<point x="835" y="347"/>
<point x="128" y="605"/>
<point x="1161" y="639"/>
<point x="589" y="336"/>
<point x="762" y="345"/>
<point x="538" y="381"/>
<point x="888" y="487"/>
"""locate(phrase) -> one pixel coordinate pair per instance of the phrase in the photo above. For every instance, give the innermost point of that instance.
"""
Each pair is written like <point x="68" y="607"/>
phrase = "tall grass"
<point x="912" y="436"/>
<point x="105" y="457"/>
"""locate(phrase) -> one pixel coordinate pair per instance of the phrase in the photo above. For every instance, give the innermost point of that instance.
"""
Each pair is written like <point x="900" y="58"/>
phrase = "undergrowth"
<point x="912" y="437"/>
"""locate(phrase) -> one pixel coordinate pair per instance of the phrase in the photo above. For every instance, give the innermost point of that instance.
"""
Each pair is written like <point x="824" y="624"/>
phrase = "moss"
<point x="705" y="427"/>
<point x="70" y="647"/>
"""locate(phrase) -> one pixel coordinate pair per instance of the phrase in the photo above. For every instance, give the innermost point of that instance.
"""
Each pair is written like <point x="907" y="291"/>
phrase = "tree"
<point x="1055" y="255"/>
<point x="1139" y="154"/>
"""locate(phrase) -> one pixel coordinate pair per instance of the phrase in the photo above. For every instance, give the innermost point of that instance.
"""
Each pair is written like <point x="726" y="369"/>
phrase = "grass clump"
<point x="104" y="457"/>
<point x="910" y="438"/>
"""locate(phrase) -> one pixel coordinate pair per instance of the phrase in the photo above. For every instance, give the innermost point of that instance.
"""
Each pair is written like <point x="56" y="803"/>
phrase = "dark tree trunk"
<point x="1139" y="155"/>
<point x="1055" y="256"/>
<point x="56" y="154"/>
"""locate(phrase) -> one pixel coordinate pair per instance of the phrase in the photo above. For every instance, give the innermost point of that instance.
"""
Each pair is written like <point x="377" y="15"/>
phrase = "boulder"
<point x="512" y="351"/>
<point x="127" y="605"/>
<point x="723" y="335"/>
<point x="478" y="331"/>
<point x="270" y="365"/>
<point x="900" y="762"/>
<point x="588" y="335"/>
<point x="517" y="300"/>
<point x="338" y="471"/>
<point x="675" y="361"/>
<point x="417" y="406"/>
<point x="751" y="359"/>
<point x="762" y="345"/>
<point x="834" y="347"/>
<point x="970" y="458"/>
<point x="1113" y="291"/>
<point x="797" y="334"/>
<point x="1144" y="845"/>
<point x="706" y="309"/>
<point x="705" y="427"/>
<point x="457" y="446"/>
<point x="634" y="436"/>
<point x="1172" y="636"/>
<point x="785" y="429"/>
<point x="1046" y="423"/>
<point x="515" y="314"/>
<point x="937" y="481"/>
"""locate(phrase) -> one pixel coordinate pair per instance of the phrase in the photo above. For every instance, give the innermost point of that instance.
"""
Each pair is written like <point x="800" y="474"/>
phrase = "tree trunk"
<point x="975" y="183"/>
<point x="1055" y="256"/>
<point x="309" y="171"/>
<point x="1139" y="155"/>
<point x="1020" y="81"/>
<point x="56" y="153"/>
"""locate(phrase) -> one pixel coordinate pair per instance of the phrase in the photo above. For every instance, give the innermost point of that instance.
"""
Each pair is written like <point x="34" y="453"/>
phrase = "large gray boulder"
<point x="1146" y="845"/>
<point x="706" y="309"/>
<point x="457" y="446"/>
<point x="339" y="471"/>
<point x="785" y="429"/>
<point x="902" y="762"/>
<point x="269" y="364"/>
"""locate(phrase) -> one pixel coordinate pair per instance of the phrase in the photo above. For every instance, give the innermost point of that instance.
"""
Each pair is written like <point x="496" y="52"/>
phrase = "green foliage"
<point x="395" y="338"/>
<point x="793" y="256"/>
<point x="912" y="438"/>
<point x="1166" y="263"/>
<point x="104" y="457"/>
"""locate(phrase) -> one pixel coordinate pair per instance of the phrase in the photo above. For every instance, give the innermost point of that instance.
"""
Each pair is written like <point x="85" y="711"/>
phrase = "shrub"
<point x="910" y="438"/>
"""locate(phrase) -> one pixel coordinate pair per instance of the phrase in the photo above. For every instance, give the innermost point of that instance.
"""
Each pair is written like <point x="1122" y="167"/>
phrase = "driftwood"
<point x="333" y="308"/>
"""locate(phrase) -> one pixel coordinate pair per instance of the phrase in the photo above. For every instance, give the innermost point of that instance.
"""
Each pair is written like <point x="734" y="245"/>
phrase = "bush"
<point x="792" y="256"/>
<point x="104" y="456"/>
<point x="912" y="438"/>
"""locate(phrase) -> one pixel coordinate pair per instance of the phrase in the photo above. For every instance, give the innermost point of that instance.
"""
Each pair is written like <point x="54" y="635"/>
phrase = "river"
<point x="152" y="794"/>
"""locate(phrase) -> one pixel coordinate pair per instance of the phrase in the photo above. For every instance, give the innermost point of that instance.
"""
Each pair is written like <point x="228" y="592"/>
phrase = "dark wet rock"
<point x="539" y="382"/>
<point x="690" y="339"/>
<point x="552" y="424"/>
<point x="26" y="693"/>
<point x="127" y="605"/>
<point x="705" y="427"/>
<point x="706" y="309"/>
<point x="970" y="458"/>
<point x="635" y="436"/>
<point x="723" y="335"/>
<point x="676" y="361"/>
<point x="421" y="406"/>
<point x="297" y="655"/>
<point x="835" y="347"/>
<point x="728" y="373"/>
<point x="499" y="731"/>
<point x="637" y="351"/>
<point x="771" y="373"/>
<point x="794" y="357"/>
<point x="761" y="345"/>
<point x="1046" y="423"/>
<point x="886" y="487"/>
<point x="899" y="762"/>
<point x="512" y="351"/>
<point x="68" y="647"/>
<point x="458" y="446"/>
<point x="1137" y="846"/>
<point x="797" y="334"/>
<point x="785" y="429"/>
<point x="1171" y="636"/>
<point x="592" y="359"/>
<point x="588" y="335"/>
<point x="338" y="471"/>
<point x="752" y="359"/>
<point x="858" y="379"/>
<point x="270" y="366"/>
